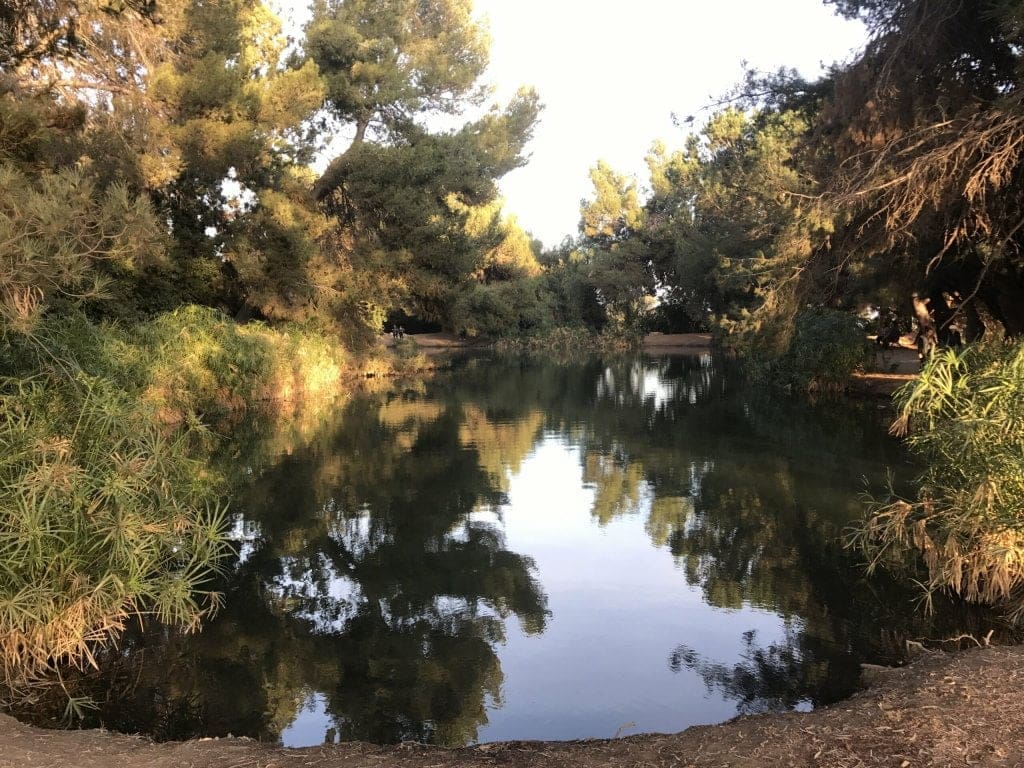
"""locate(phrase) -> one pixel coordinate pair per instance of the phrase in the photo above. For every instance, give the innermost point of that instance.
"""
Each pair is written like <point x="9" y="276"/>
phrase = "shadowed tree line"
<point x="895" y="174"/>
<point x="193" y="125"/>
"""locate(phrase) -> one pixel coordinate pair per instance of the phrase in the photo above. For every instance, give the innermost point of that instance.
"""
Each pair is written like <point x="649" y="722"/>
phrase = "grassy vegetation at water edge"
<point x="108" y="508"/>
<point x="964" y="418"/>
<point x="105" y="516"/>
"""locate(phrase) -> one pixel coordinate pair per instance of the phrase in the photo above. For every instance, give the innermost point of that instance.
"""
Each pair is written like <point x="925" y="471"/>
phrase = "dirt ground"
<point x="942" y="710"/>
<point x="432" y="342"/>
<point x="891" y="370"/>
<point x="667" y="342"/>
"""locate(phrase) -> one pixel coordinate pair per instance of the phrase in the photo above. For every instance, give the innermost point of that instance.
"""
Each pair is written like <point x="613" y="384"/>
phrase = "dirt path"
<point x="430" y="342"/>
<point x="891" y="370"/>
<point x="959" y="710"/>
<point x="667" y="342"/>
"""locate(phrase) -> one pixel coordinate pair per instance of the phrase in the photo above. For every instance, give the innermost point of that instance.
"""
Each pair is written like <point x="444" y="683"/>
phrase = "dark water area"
<point x="524" y="550"/>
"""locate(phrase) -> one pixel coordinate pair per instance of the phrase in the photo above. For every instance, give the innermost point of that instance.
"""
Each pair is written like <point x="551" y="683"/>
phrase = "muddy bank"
<point x="942" y="710"/>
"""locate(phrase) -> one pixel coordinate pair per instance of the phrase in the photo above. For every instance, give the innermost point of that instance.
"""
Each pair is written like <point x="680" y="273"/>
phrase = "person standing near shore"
<point x="927" y="335"/>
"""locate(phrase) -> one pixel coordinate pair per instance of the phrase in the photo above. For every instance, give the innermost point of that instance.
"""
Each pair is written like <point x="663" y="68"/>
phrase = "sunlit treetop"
<point x="385" y="61"/>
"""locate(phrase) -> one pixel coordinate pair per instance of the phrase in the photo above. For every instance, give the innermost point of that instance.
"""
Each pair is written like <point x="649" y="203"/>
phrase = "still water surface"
<point x="525" y="550"/>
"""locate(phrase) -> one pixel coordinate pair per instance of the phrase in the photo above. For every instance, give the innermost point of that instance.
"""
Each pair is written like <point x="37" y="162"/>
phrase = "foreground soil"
<point x="941" y="710"/>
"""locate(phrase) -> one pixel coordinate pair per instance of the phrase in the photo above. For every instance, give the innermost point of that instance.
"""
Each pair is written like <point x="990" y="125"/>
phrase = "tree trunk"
<point x="361" y="125"/>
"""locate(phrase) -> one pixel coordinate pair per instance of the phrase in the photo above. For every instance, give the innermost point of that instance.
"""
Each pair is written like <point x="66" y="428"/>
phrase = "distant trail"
<point x="660" y="342"/>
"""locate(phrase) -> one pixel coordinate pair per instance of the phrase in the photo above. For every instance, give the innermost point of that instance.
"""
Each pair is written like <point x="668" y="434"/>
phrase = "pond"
<point x="516" y="549"/>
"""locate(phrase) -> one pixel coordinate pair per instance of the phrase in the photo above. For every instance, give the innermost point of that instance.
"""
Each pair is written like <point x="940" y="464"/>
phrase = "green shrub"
<point x="826" y="346"/>
<point x="106" y="510"/>
<point x="103" y="516"/>
<point x="198" y="361"/>
<point x="965" y="420"/>
<point x="504" y="309"/>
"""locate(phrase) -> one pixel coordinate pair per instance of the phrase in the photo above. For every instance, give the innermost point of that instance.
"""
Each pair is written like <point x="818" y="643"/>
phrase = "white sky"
<point x="611" y="74"/>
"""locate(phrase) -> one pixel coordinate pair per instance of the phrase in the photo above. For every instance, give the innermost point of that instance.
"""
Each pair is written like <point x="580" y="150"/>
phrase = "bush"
<point x="965" y="418"/>
<point x="502" y="310"/>
<point x="198" y="361"/>
<point x="104" y="517"/>
<point x="825" y="348"/>
<point x="191" y="363"/>
<point x="105" y="513"/>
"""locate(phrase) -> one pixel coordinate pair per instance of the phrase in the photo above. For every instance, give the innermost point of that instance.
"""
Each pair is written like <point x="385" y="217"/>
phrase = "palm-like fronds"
<point x="965" y="418"/>
<point x="102" y="517"/>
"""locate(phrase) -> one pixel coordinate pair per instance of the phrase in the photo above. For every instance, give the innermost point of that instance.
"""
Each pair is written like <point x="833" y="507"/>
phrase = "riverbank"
<point x="892" y="368"/>
<point x="652" y="342"/>
<point x="941" y="710"/>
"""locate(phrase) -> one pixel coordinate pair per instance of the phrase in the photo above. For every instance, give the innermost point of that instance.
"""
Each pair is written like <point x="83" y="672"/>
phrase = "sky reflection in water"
<point x="525" y="550"/>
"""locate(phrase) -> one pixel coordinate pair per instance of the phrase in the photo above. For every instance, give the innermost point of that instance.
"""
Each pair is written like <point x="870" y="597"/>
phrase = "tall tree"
<point x="404" y="208"/>
<point x="385" y="62"/>
<point x="733" y="224"/>
<point x="923" y="142"/>
<point x="619" y="265"/>
<point x="237" y="101"/>
<point x="403" y="194"/>
<point x="72" y="210"/>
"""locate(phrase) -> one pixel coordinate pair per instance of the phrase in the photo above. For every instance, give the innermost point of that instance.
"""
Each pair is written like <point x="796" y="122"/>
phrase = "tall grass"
<point x="192" y="362"/>
<point x="103" y="516"/>
<point x="964" y="418"/>
<point x="196" y="360"/>
<point x="107" y="508"/>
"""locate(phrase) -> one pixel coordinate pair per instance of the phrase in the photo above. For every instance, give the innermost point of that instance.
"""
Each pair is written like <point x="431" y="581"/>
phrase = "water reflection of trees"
<point x="750" y="493"/>
<point x="375" y="572"/>
<point x="772" y="679"/>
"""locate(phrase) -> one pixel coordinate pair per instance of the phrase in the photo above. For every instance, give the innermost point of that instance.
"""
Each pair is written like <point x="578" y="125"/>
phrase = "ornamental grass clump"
<point x="103" y="517"/>
<point x="964" y="419"/>
<point x="200" y="362"/>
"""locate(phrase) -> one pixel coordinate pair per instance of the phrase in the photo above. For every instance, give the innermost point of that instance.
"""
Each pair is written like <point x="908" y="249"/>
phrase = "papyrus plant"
<point x="103" y="517"/>
<point x="964" y="419"/>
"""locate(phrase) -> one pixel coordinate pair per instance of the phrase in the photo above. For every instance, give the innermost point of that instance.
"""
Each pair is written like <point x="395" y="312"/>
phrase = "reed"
<point x="108" y="511"/>
<point x="103" y="517"/>
<point x="964" y="419"/>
